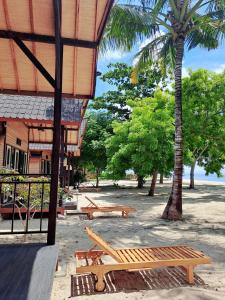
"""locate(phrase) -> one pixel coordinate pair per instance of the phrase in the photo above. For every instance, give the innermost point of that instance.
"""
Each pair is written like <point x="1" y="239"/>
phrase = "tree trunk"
<point x="140" y="180"/>
<point x="173" y="210"/>
<point x="152" y="188"/>
<point x="192" y="173"/>
<point x="161" y="178"/>
<point x="97" y="177"/>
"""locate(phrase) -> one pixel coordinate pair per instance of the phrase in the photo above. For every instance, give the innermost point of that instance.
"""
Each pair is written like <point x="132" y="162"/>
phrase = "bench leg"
<point x="57" y="266"/>
<point x="100" y="284"/>
<point x="190" y="274"/>
<point x="90" y="216"/>
<point x="124" y="214"/>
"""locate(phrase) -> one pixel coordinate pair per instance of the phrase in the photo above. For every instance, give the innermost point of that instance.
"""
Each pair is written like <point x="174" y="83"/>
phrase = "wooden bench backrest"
<point x="103" y="245"/>
<point x="92" y="202"/>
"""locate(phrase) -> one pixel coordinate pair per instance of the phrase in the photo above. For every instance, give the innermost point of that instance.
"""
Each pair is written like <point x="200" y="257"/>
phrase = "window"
<point x="45" y="166"/>
<point x="15" y="159"/>
<point x="25" y="163"/>
<point x="16" y="163"/>
<point x="8" y="156"/>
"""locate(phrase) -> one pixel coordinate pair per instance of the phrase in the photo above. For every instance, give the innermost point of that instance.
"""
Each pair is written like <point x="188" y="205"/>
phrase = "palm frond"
<point x="159" y="49"/>
<point x="126" y="27"/>
<point x="203" y="34"/>
<point x="214" y="5"/>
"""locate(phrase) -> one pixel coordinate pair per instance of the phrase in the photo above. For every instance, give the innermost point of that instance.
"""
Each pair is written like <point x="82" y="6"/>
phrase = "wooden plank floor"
<point x="27" y="271"/>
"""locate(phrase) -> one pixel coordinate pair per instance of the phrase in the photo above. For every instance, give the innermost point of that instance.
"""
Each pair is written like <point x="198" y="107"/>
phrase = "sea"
<point x="200" y="175"/>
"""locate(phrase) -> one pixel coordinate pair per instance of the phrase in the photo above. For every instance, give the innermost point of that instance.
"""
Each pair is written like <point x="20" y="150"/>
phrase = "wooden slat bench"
<point x="93" y="208"/>
<point x="136" y="259"/>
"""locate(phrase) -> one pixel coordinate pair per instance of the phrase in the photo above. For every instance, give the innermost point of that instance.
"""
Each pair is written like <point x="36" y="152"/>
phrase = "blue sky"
<point x="198" y="58"/>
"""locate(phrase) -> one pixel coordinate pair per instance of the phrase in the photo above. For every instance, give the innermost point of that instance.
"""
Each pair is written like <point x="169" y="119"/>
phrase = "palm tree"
<point x="167" y="28"/>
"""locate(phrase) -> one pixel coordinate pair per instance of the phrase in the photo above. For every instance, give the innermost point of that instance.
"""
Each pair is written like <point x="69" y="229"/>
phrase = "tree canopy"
<point x="144" y="143"/>
<point x="167" y="26"/>
<point x="127" y="86"/>
<point x="93" y="151"/>
<point x="204" y="120"/>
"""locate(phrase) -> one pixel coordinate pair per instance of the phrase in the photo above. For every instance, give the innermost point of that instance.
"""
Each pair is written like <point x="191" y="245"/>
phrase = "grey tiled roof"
<point x="38" y="146"/>
<point x="38" y="108"/>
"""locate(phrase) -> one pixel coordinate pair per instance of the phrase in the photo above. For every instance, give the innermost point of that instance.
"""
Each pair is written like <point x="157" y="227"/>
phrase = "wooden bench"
<point x="136" y="259"/>
<point x="93" y="208"/>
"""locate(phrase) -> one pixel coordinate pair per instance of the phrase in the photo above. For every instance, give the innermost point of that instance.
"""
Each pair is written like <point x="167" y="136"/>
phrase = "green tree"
<point x="93" y="151"/>
<point x="144" y="143"/>
<point x="123" y="78"/>
<point x="204" y="121"/>
<point x="168" y="25"/>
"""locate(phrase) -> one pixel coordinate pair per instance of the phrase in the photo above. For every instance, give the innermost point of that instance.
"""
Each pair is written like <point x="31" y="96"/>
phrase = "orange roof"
<point x="32" y="22"/>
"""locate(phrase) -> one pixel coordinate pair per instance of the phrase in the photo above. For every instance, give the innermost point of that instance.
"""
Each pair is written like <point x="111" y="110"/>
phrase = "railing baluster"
<point x="14" y="200"/>
<point x="42" y="203"/>
<point x="1" y="200"/>
<point x="28" y="207"/>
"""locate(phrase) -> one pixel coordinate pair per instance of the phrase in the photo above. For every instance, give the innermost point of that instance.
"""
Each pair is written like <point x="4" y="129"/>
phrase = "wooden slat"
<point x="131" y="254"/>
<point x="190" y="252"/>
<point x="13" y="54"/>
<point x="150" y="257"/>
<point x="163" y="254"/>
<point x="183" y="254"/>
<point x="140" y="255"/>
<point x="122" y="256"/>
<point x="173" y="253"/>
<point x="33" y="44"/>
<point x="129" y="258"/>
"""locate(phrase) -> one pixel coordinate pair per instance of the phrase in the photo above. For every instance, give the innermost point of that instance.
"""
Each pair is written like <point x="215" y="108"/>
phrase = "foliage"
<point x="145" y="142"/>
<point x="204" y="119"/>
<point x="167" y="26"/>
<point x="22" y="190"/>
<point x="162" y="22"/>
<point x="127" y="86"/>
<point x="93" y="151"/>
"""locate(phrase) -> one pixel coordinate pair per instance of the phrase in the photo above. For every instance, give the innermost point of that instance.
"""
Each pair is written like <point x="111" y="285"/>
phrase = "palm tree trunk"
<point x="161" y="178"/>
<point x="173" y="210"/>
<point x="192" y="174"/>
<point x="152" y="188"/>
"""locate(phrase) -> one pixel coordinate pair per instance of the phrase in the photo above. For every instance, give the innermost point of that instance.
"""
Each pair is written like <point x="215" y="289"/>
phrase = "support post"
<point x="62" y="146"/>
<point x="57" y="124"/>
<point x="68" y="163"/>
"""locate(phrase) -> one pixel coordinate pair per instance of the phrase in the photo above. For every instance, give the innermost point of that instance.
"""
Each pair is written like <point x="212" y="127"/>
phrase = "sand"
<point x="203" y="227"/>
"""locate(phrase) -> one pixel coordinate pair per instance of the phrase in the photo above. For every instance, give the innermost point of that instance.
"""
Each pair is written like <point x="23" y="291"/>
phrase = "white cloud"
<point x="220" y="68"/>
<point x="110" y="54"/>
<point x="185" y="72"/>
<point x="145" y="42"/>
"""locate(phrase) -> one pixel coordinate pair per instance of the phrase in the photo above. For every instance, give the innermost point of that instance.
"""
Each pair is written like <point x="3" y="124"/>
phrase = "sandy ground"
<point x="203" y="227"/>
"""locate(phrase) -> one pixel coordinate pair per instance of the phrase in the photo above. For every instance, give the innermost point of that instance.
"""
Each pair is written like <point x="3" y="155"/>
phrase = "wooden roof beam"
<point x="34" y="60"/>
<point x="40" y="38"/>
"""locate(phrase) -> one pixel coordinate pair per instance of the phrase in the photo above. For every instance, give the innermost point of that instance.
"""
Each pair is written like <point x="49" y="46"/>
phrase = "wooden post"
<point x="68" y="172"/>
<point x="62" y="145"/>
<point x="57" y="124"/>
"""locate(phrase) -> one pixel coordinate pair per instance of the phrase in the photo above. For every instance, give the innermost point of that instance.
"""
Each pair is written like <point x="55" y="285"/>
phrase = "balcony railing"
<point x="24" y="203"/>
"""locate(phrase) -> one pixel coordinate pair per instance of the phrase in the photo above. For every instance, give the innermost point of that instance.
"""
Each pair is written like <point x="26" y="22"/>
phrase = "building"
<point x="26" y="131"/>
